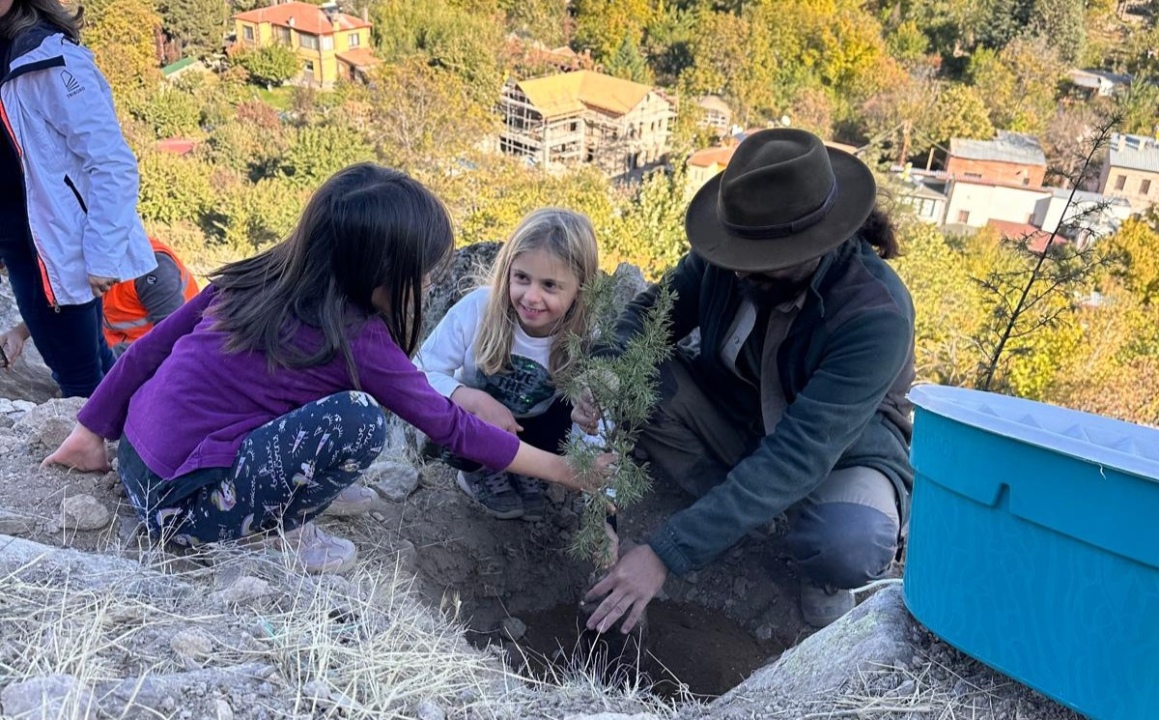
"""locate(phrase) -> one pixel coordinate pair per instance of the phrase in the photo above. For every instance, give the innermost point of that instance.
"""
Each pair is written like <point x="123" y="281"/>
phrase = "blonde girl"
<point x="499" y="350"/>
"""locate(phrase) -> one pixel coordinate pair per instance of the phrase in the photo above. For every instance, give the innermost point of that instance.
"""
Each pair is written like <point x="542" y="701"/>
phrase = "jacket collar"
<point x="38" y="48"/>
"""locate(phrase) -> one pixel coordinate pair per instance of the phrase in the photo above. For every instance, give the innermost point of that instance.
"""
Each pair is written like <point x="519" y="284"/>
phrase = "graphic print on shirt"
<point x="523" y="388"/>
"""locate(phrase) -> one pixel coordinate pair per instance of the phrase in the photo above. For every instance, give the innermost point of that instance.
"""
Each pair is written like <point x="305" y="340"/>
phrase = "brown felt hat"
<point x="784" y="199"/>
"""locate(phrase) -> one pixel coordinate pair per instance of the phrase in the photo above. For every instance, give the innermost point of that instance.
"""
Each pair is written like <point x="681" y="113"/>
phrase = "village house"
<point x="1132" y="170"/>
<point x="585" y="117"/>
<point x="714" y="115"/>
<point x="703" y="165"/>
<point x="330" y="45"/>
<point x="977" y="203"/>
<point x="1010" y="158"/>
<point x="1092" y="84"/>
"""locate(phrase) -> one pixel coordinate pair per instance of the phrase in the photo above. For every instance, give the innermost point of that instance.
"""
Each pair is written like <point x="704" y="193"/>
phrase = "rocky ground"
<point x="443" y="616"/>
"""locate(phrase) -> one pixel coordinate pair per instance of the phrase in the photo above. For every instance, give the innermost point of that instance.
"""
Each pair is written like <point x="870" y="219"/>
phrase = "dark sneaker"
<point x="533" y="493"/>
<point x="493" y="491"/>
<point x="821" y="606"/>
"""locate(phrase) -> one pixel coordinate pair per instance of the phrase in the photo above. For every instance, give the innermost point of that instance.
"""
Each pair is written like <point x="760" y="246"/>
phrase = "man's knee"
<point x="843" y="545"/>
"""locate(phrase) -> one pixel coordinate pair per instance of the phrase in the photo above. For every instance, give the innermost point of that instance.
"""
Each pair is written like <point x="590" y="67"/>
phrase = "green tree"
<point x="601" y="25"/>
<point x="120" y="35"/>
<point x="650" y="234"/>
<point x="167" y="111"/>
<point x="424" y="116"/>
<point x="316" y="153"/>
<point x="1062" y="24"/>
<point x="959" y="112"/>
<point x="174" y="189"/>
<point x="270" y="65"/>
<point x="465" y="43"/>
<point x="949" y="305"/>
<point x="1137" y="242"/>
<point x="198" y="25"/>
<point x="734" y="57"/>
<point x="1019" y="84"/>
<point x="544" y="20"/>
<point x="907" y="43"/>
<point x="627" y="63"/>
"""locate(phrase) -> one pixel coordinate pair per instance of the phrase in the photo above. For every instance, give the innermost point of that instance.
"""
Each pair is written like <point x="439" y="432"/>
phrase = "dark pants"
<point x="546" y="432"/>
<point x="69" y="337"/>
<point x="286" y="473"/>
<point x="843" y="534"/>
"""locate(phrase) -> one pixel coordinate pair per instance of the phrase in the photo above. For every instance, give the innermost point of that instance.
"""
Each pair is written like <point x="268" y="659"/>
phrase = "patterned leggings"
<point x="286" y="472"/>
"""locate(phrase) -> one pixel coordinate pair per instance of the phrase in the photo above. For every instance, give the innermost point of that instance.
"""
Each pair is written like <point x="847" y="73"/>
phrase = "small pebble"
<point x="429" y="710"/>
<point x="513" y="628"/>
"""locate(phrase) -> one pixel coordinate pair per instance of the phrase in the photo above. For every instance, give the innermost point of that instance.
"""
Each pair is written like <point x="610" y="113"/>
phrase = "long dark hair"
<point x="366" y="227"/>
<point x="878" y="230"/>
<point x="26" y="13"/>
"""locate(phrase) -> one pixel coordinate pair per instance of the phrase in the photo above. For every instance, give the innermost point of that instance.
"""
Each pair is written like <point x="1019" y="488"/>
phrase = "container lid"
<point x="1113" y="443"/>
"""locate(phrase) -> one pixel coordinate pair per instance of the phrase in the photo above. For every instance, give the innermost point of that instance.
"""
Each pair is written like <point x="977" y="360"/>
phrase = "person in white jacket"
<point x="69" y="228"/>
<point x="497" y="352"/>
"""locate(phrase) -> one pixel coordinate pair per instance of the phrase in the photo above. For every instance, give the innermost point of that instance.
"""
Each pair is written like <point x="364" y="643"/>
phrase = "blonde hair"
<point x="25" y="14"/>
<point x="568" y="236"/>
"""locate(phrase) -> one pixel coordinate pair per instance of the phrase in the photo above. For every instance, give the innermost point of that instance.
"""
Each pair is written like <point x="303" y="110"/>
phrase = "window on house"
<point x="308" y="66"/>
<point x="353" y="40"/>
<point x="247" y="33"/>
<point x="976" y="176"/>
<point x="310" y="42"/>
<point x="327" y="42"/>
<point x="1025" y="181"/>
<point x="282" y="35"/>
<point x="1145" y="187"/>
<point x="964" y="216"/>
<point x="1120" y="182"/>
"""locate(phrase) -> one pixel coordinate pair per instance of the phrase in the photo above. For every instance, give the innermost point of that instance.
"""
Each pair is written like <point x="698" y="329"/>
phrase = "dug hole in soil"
<point x="515" y="587"/>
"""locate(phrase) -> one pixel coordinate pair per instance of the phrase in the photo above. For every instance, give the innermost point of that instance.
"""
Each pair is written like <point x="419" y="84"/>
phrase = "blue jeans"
<point x="286" y="473"/>
<point x="69" y="338"/>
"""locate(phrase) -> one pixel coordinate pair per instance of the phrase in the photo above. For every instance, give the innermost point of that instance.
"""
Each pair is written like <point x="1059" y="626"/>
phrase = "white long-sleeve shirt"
<point x="448" y="359"/>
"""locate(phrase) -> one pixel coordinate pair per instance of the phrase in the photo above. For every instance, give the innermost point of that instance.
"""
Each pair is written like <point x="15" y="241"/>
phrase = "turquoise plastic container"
<point x="1034" y="546"/>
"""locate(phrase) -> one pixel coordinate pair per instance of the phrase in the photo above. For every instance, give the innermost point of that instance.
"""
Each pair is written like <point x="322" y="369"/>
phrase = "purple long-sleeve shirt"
<point x="184" y="403"/>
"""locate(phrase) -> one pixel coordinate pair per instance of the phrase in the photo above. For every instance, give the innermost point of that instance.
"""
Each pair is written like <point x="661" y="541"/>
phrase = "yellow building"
<point x="331" y="45"/>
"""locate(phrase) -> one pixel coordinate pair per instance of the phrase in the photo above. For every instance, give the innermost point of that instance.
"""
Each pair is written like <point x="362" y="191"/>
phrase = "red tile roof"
<point x="305" y="18"/>
<point x="1036" y="237"/>
<point x="177" y="146"/>
<point x="712" y="156"/>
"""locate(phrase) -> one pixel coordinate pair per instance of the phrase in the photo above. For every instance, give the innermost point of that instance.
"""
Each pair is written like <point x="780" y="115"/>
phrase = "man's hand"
<point x="82" y="450"/>
<point x="586" y="414"/>
<point x="101" y="285"/>
<point x="628" y="588"/>
<point x="12" y="343"/>
<point x="486" y="408"/>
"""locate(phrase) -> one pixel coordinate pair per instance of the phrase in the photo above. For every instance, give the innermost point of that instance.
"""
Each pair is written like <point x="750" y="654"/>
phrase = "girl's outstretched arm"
<point x="554" y="468"/>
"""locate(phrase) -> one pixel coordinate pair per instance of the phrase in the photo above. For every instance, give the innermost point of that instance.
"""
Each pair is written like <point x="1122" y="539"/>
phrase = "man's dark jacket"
<point x="845" y="367"/>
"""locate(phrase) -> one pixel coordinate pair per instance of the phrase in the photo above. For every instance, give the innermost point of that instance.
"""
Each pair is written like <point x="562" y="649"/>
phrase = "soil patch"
<point x="689" y="651"/>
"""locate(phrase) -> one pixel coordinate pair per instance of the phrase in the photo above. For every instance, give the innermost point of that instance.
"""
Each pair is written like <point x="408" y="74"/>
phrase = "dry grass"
<point x="360" y="646"/>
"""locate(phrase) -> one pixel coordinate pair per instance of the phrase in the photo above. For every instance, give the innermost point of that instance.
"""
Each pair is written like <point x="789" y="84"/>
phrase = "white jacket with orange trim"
<point x="80" y="177"/>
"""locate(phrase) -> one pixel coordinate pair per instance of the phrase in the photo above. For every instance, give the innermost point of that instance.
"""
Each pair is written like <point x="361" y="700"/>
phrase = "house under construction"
<point x="585" y="117"/>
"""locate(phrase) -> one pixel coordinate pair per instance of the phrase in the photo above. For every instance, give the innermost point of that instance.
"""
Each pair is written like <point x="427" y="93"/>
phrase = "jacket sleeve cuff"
<point x="664" y="543"/>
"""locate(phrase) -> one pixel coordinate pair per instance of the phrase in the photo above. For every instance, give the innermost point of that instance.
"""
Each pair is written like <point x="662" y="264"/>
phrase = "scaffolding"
<point x="578" y="130"/>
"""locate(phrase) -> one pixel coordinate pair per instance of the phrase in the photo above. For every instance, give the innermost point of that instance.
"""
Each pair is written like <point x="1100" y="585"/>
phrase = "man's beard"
<point x="766" y="292"/>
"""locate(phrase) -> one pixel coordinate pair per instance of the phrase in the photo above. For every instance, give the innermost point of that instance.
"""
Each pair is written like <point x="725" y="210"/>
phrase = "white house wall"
<point x="988" y="202"/>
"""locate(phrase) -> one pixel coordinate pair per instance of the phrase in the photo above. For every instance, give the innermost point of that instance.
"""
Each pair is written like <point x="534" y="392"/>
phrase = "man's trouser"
<point x="842" y="535"/>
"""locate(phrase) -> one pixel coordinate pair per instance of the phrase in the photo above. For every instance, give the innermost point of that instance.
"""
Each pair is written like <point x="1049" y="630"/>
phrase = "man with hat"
<point x="796" y="398"/>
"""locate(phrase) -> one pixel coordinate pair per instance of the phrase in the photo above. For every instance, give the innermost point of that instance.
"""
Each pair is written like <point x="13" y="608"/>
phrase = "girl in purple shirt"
<point x="250" y="409"/>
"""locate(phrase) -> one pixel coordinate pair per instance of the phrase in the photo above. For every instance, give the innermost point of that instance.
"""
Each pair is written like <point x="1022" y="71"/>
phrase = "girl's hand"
<point x="12" y="343"/>
<point x="101" y="285"/>
<point x="593" y="481"/>
<point x="585" y="414"/>
<point x="486" y="408"/>
<point x="82" y="450"/>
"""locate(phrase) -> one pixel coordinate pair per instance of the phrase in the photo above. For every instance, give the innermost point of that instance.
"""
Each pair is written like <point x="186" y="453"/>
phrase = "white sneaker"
<point x="317" y="551"/>
<point x="354" y="500"/>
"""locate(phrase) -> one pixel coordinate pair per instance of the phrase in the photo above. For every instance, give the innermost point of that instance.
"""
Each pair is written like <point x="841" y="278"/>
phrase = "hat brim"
<point x="856" y="196"/>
